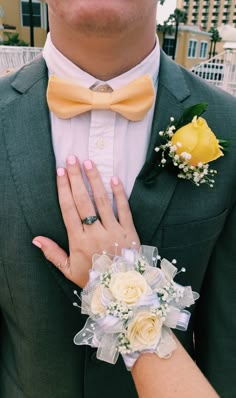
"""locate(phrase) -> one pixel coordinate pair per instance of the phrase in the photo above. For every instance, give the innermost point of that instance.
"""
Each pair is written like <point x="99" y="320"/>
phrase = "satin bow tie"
<point x="67" y="99"/>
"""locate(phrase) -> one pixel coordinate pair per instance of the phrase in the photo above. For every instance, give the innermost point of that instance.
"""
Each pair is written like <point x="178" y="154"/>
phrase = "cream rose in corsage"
<point x="97" y="307"/>
<point x="128" y="286"/>
<point x="191" y="146"/>
<point x="144" y="331"/>
<point x="132" y="304"/>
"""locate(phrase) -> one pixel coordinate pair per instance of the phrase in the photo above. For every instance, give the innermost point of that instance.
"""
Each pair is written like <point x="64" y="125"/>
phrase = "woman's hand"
<point x="85" y="240"/>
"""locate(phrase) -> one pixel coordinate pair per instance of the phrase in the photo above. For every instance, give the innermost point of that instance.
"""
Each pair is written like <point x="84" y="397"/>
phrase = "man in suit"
<point x="98" y="42"/>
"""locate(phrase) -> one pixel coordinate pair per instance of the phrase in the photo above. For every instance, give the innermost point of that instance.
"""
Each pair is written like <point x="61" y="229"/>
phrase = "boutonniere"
<point x="190" y="145"/>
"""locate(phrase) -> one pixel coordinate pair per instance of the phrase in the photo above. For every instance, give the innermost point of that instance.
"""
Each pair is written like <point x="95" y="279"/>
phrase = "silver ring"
<point x="89" y="220"/>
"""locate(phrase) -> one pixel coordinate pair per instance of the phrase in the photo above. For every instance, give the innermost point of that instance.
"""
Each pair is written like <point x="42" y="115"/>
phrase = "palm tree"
<point x="215" y="38"/>
<point x="179" y="16"/>
<point x="165" y="29"/>
<point x="14" y="40"/>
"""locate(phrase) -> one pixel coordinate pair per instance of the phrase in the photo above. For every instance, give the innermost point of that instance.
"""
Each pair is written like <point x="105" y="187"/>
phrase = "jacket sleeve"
<point x="215" y="326"/>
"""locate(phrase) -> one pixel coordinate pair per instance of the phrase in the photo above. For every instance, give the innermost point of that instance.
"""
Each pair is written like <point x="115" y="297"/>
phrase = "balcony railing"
<point x="12" y="57"/>
<point x="220" y="71"/>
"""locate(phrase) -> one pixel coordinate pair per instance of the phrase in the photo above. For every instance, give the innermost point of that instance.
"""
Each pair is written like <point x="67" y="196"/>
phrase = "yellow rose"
<point x="197" y="139"/>
<point x="144" y="331"/>
<point x="97" y="307"/>
<point x="128" y="286"/>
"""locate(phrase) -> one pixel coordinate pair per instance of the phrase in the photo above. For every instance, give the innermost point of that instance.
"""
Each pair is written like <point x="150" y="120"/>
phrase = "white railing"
<point x="220" y="71"/>
<point x="12" y="57"/>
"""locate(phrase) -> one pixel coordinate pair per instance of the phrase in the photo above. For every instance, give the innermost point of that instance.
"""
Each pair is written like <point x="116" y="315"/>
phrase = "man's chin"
<point x="101" y="20"/>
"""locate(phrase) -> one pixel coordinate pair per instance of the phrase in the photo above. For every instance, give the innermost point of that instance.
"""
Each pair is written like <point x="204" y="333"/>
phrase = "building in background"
<point x="15" y="18"/>
<point x="192" y="46"/>
<point x="209" y="13"/>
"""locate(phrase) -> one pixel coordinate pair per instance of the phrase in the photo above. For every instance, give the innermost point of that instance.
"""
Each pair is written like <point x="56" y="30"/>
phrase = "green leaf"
<point x="224" y="144"/>
<point x="189" y="113"/>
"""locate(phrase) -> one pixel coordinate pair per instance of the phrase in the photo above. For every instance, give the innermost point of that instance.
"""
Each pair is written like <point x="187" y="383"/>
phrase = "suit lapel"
<point x="30" y="151"/>
<point x="149" y="201"/>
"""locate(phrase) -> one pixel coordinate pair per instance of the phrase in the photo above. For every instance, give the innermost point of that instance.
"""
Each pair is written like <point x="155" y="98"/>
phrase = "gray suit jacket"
<point x="194" y="225"/>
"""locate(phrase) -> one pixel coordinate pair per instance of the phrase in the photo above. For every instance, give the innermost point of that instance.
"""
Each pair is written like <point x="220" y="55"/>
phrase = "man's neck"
<point x="102" y="57"/>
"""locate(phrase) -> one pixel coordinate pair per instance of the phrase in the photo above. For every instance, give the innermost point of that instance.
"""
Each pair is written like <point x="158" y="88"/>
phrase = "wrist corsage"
<point x="132" y="304"/>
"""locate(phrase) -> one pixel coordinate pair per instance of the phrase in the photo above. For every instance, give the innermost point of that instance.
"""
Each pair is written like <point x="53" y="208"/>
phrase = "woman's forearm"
<point x="176" y="377"/>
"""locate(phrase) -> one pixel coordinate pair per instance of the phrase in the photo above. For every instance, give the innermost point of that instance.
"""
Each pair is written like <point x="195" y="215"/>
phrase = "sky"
<point x="164" y="11"/>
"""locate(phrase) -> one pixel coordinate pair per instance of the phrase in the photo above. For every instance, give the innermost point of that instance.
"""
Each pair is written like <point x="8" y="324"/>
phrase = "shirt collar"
<point x="62" y="67"/>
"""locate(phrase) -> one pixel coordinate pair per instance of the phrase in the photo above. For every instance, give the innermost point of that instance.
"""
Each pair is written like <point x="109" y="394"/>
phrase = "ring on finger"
<point x="89" y="220"/>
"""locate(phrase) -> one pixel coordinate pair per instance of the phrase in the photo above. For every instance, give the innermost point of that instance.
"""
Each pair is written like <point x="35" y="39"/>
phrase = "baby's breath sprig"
<point x="161" y="311"/>
<point x="119" y="310"/>
<point x="140" y="265"/>
<point x="124" y="346"/>
<point x="105" y="278"/>
<point x="170" y="292"/>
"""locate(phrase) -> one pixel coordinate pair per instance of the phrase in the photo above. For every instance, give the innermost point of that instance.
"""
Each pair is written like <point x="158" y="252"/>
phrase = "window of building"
<point x="168" y="46"/>
<point x="25" y="13"/>
<point x="192" y="48"/>
<point x="203" y="49"/>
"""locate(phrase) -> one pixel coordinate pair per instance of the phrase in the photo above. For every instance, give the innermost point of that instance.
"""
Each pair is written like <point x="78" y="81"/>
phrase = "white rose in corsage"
<point x="190" y="145"/>
<point x="131" y="304"/>
<point x="97" y="307"/>
<point x="128" y="286"/>
<point x="144" y="331"/>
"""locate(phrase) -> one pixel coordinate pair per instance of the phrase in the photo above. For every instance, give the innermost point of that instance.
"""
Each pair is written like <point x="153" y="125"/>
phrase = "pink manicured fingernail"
<point x="71" y="159"/>
<point x="88" y="165"/>
<point x="37" y="243"/>
<point x="115" y="180"/>
<point x="60" y="172"/>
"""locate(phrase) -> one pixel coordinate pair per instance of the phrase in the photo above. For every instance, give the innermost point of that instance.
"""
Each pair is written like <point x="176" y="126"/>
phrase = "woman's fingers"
<point x="100" y="194"/>
<point x="80" y="193"/>
<point x="72" y="267"/>
<point x="123" y="209"/>
<point x="84" y="241"/>
<point x="69" y="212"/>
<point x="53" y="253"/>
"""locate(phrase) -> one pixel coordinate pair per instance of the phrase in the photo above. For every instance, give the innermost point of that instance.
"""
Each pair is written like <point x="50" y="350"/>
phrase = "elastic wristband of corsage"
<point x="132" y="304"/>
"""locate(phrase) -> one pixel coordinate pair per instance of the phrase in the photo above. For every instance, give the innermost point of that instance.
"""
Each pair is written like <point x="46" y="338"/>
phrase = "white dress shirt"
<point x="116" y="145"/>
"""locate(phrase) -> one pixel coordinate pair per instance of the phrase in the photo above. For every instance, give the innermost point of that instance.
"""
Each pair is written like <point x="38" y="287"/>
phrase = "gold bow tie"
<point x="67" y="99"/>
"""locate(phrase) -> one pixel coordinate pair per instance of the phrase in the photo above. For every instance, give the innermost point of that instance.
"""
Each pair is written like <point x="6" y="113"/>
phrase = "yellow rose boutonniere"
<point x="197" y="139"/>
<point x="190" y="144"/>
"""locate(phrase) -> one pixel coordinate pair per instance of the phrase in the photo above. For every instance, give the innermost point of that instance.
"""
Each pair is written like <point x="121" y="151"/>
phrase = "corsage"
<point x="132" y="304"/>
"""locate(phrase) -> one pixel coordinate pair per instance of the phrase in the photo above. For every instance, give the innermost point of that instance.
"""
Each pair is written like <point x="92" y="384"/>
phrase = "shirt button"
<point x="100" y="143"/>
